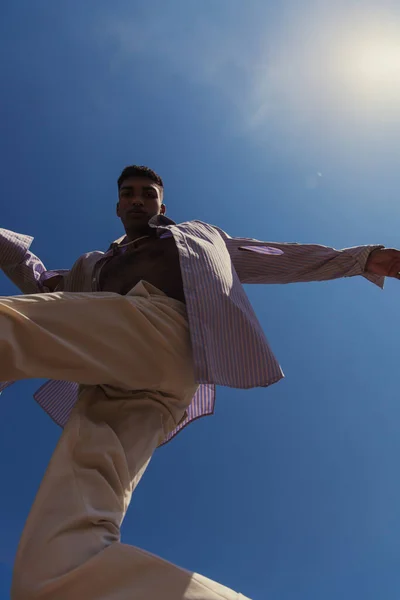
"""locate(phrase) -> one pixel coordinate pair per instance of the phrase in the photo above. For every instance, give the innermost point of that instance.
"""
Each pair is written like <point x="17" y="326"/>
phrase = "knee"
<point x="25" y="586"/>
<point x="22" y="590"/>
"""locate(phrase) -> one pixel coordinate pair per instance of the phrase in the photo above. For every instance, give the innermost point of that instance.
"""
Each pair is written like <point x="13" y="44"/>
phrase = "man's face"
<point x="139" y="200"/>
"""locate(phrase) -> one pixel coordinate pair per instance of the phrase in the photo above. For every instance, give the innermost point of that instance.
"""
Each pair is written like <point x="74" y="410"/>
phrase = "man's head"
<point x="140" y="197"/>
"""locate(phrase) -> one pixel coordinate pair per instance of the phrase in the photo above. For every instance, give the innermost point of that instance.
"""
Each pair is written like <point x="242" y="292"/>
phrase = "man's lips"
<point x="136" y="212"/>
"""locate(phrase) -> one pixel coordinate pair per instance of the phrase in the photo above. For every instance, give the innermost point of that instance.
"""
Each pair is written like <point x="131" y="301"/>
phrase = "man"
<point x="134" y="341"/>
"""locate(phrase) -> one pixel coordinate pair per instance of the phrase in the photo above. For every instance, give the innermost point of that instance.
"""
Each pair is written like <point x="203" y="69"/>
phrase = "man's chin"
<point x="137" y="215"/>
<point x="137" y="224"/>
<point x="137" y="219"/>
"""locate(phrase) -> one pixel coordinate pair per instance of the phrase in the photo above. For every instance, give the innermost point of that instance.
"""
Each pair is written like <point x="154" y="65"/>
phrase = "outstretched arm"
<point x="299" y="262"/>
<point x="23" y="267"/>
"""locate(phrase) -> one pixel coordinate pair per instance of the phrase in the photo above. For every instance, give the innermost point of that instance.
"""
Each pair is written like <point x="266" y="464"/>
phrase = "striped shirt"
<point x="229" y="345"/>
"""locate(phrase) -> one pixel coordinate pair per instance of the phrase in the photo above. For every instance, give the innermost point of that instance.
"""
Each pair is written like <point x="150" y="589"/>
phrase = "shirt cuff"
<point x="361" y="255"/>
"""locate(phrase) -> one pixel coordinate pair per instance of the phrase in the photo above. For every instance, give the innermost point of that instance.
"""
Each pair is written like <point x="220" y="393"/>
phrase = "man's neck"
<point x="134" y="233"/>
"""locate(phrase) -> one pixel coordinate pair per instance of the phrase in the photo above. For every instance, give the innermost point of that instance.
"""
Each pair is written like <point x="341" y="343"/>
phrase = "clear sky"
<point x="273" y="120"/>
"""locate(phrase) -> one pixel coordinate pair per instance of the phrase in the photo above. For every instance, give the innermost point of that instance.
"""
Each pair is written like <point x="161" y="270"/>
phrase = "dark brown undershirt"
<point x="153" y="259"/>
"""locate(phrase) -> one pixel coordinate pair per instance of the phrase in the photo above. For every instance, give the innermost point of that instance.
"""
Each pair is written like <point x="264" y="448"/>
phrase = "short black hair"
<point x="139" y="171"/>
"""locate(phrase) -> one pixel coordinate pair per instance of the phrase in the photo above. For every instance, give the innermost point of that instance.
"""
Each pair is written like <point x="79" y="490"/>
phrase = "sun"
<point x="376" y="62"/>
<point x="369" y="57"/>
<point x="367" y="67"/>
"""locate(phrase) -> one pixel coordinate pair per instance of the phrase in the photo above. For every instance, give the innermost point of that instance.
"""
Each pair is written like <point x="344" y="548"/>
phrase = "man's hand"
<point x="384" y="261"/>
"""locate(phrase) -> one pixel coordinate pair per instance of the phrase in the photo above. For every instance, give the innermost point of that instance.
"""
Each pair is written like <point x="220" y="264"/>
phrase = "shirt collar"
<point x="155" y="222"/>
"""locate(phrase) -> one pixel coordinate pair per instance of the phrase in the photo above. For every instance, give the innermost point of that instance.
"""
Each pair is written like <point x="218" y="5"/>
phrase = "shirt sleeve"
<point x="255" y="263"/>
<point x="21" y="266"/>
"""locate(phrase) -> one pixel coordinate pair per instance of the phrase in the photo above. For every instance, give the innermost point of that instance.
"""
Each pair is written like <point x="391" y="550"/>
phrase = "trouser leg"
<point x="133" y="355"/>
<point x="71" y="545"/>
<point x="93" y="338"/>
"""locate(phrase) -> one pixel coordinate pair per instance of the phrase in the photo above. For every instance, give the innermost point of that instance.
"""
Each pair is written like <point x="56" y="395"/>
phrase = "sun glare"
<point x="370" y="61"/>
<point x="376" y="61"/>
<point x="331" y="72"/>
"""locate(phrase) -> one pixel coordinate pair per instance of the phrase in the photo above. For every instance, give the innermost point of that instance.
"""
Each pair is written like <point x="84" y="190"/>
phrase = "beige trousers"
<point x="132" y="356"/>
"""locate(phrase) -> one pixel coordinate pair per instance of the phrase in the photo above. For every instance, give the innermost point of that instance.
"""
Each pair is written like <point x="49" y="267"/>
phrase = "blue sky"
<point x="278" y="121"/>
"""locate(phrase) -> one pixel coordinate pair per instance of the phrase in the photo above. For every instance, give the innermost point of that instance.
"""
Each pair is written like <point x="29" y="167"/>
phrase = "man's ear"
<point x="117" y="209"/>
<point x="163" y="209"/>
